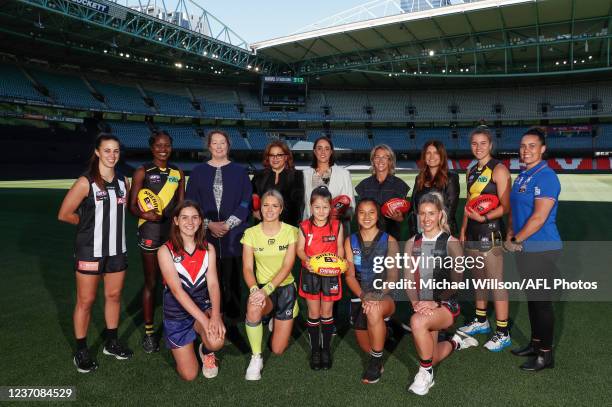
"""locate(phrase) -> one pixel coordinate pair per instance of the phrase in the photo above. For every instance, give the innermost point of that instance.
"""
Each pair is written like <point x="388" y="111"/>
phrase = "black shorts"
<point x="101" y="265"/>
<point x="284" y="303"/>
<point x="152" y="235"/>
<point x="483" y="242"/>
<point x="315" y="287"/>
<point x="452" y="306"/>
<point x="359" y="321"/>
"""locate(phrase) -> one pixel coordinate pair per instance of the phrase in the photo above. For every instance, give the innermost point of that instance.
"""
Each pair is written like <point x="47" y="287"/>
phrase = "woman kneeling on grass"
<point x="192" y="296"/>
<point x="434" y="310"/>
<point x="270" y="246"/>
<point x="369" y="306"/>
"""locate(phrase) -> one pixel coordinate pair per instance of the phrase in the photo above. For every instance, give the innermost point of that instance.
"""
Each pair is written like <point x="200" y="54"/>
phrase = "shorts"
<point x="452" y="306"/>
<point x="316" y="287"/>
<point x="284" y="303"/>
<point x="101" y="265"/>
<point x="152" y="235"/>
<point x="484" y="242"/>
<point x="179" y="332"/>
<point x="359" y="321"/>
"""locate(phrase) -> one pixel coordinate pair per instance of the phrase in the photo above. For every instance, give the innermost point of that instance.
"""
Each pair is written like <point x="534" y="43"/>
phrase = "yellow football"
<point x="148" y="200"/>
<point x="328" y="265"/>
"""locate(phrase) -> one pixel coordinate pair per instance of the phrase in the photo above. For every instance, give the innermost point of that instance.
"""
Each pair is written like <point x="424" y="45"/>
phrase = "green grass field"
<point x="38" y="294"/>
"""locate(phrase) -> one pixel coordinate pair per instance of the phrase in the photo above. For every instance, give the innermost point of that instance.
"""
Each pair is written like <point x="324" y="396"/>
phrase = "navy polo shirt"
<point x="539" y="182"/>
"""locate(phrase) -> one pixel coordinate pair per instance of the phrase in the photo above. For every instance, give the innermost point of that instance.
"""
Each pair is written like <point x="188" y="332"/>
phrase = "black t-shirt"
<point x="451" y="198"/>
<point x="290" y="185"/>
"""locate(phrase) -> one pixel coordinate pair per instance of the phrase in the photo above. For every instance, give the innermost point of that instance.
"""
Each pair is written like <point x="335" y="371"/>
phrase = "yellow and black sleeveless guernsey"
<point x="480" y="181"/>
<point x="164" y="182"/>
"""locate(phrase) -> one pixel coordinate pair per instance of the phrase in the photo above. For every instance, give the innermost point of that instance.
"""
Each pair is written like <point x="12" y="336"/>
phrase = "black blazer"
<point x="451" y="200"/>
<point x="290" y="185"/>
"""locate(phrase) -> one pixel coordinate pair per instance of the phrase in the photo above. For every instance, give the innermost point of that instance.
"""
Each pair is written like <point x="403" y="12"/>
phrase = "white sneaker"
<point x="498" y="342"/>
<point x="464" y="340"/>
<point x="423" y="381"/>
<point x="474" y="327"/>
<point x="253" y="372"/>
<point x="210" y="369"/>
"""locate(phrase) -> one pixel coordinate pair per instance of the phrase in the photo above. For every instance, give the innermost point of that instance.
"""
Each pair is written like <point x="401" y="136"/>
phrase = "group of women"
<point x="203" y="248"/>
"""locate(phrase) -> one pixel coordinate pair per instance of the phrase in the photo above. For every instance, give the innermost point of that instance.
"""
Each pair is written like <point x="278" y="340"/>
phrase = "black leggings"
<point x="540" y="265"/>
<point x="229" y="272"/>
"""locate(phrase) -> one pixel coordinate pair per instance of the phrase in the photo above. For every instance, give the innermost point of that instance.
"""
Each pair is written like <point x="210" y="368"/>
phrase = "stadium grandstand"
<point x="394" y="72"/>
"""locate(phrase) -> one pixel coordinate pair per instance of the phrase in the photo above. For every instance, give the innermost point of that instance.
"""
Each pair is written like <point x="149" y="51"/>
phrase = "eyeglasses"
<point x="276" y="155"/>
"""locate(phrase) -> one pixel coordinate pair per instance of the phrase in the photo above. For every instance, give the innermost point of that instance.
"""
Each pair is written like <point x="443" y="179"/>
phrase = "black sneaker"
<point x="83" y="361"/>
<point x="116" y="349"/>
<point x="373" y="372"/>
<point x="315" y="360"/>
<point x="326" y="359"/>
<point x="150" y="344"/>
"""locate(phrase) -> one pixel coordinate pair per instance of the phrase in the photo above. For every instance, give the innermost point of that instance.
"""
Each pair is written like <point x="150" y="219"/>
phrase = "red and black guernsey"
<point x="101" y="227"/>
<point x="320" y="239"/>
<point x="191" y="269"/>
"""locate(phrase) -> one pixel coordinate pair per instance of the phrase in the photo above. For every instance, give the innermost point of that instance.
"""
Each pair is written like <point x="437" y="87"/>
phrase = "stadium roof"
<point x="484" y="38"/>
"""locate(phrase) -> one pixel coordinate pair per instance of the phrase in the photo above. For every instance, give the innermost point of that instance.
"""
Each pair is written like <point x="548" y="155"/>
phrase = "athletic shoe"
<point x="373" y="372"/>
<point x="210" y="369"/>
<point x="498" y="342"/>
<point x="406" y="327"/>
<point x="150" y="344"/>
<point x="315" y="360"/>
<point x="464" y="340"/>
<point x="423" y="381"/>
<point x="326" y="359"/>
<point x="474" y="327"/>
<point x="83" y="361"/>
<point x="253" y="372"/>
<point x="117" y="349"/>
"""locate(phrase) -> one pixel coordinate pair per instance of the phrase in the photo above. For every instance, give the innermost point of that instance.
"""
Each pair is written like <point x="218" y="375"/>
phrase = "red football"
<point x="256" y="202"/>
<point x="484" y="203"/>
<point x="395" y="204"/>
<point x="340" y="204"/>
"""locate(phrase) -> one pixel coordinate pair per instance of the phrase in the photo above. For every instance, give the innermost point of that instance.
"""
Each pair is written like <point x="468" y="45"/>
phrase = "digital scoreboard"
<point x="283" y="91"/>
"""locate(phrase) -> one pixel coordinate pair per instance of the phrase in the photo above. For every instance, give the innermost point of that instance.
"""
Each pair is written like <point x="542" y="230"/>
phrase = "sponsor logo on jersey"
<point x="271" y="241"/>
<point x="483" y="179"/>
<point x="101" y="195"/>
<point x="356" y="252"/>
<point x="173" y="180"/>
<point x="283" y="247"/>
<point x="155" y="178"/>
<point x="329" y="239"/>
<point x="121" y="200"/>
<point x="536" y="191"/>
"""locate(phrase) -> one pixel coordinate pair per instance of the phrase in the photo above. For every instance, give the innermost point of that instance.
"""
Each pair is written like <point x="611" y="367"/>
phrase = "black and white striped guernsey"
<point x="101" y="228"/>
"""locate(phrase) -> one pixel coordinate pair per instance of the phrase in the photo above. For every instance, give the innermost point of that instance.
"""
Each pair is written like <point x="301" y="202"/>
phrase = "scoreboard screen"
<point x="283" y="91"/>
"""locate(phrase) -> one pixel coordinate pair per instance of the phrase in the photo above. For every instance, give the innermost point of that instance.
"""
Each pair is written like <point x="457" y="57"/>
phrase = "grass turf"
<point x="37" y="299"/>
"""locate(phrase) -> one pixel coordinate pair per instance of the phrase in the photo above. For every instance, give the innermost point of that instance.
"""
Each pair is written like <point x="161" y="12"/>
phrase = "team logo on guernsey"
<point x="101" y="195"/>
<point x="154" y="178"/>
<point x="356" y="252"/>
<point x="331" y="238"/>
<point x="178" y="259"/>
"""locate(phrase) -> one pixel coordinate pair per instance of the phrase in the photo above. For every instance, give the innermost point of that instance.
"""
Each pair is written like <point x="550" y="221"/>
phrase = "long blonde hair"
<point x="435" y="198"/>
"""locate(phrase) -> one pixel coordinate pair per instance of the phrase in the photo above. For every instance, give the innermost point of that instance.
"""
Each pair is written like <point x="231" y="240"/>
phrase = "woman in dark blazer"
<point x="279" y="173"/>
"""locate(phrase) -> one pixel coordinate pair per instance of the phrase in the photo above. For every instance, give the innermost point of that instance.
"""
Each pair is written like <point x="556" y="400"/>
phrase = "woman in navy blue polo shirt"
<point x="533" y="235"/>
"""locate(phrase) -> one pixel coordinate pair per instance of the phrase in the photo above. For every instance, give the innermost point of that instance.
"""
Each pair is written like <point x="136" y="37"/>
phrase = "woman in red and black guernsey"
<point x="96" y="204"/>
<point x="168" y="182"/>
<point x="321" y="233"/>
<point x="434" y="309"/>
<point x="192" y="298"/>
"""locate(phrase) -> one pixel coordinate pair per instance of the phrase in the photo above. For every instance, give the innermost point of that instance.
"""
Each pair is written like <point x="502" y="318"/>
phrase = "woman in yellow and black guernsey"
<point x="268" y="254"/>
<point x="482" y="235"/>
<point x="168" y="182"/>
